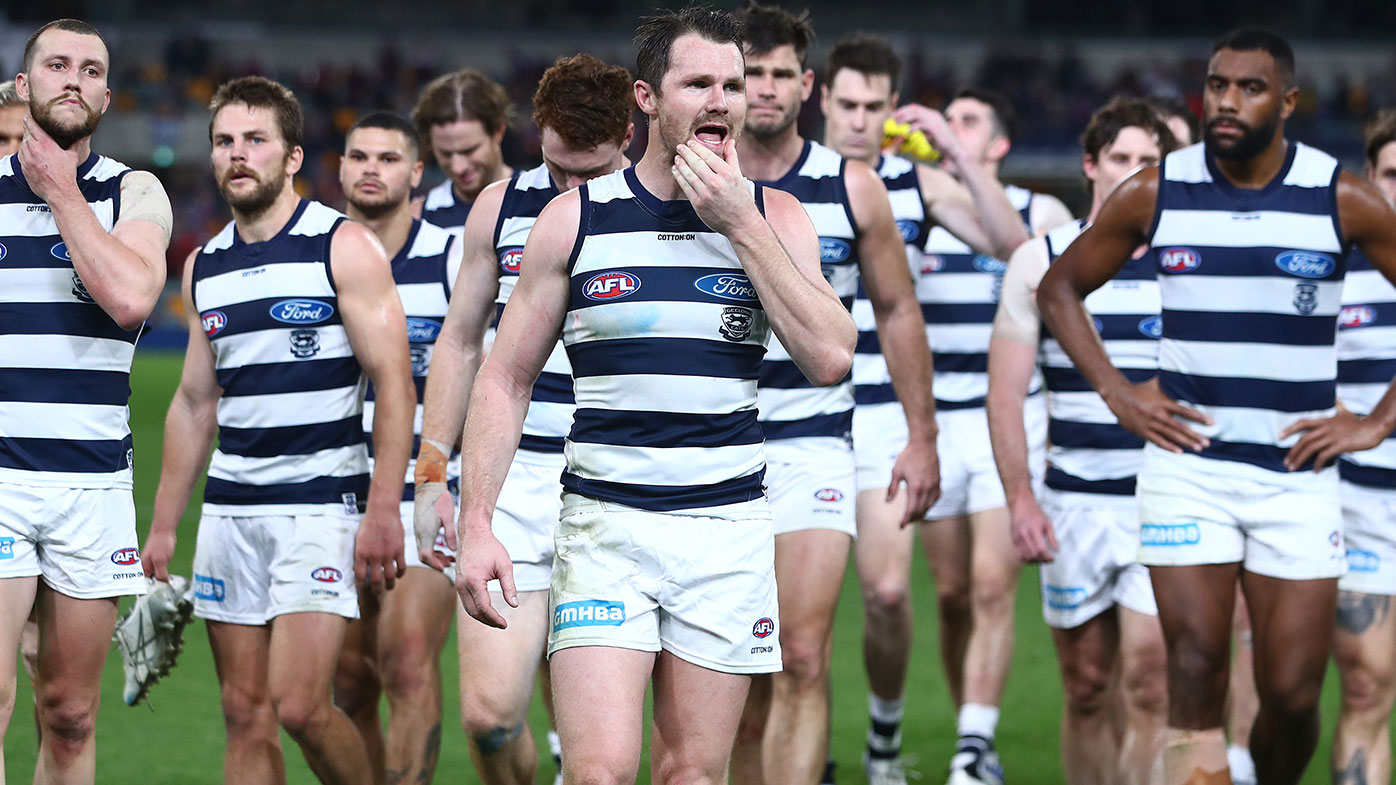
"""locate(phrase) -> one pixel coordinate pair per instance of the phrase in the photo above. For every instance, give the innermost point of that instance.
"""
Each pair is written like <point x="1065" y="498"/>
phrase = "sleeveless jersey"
<point x="792" y="407"/>
<point x="551" y="403"/>
<point x="1366" y="351"/>
<point x="666" y="335"/>
<point x="959" y="293"/>
<point x="290" y="419"/>
<point x="872" y="384"/>
<point x="1251" y="283"/>
<point x="1088" y="450"/>
<point x="65" y="365"/>
<point x="424" y="271"/>
<point x="443" y="209"/>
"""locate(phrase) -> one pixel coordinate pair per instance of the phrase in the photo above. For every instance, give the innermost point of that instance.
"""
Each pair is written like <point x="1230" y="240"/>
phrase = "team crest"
<point x="1305" y="298"/>
<point x="421" y="356"/>
<point x="305" y="343"/>
<point x="80" y="290"/>
<point x="736" y="323"/>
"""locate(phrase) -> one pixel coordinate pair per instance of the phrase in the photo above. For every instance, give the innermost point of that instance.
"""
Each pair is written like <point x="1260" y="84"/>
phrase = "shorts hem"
<point x="852" y="533"/>
<point x="351" y="613"/>
<point x="1355" y="586"/>
<point x="723" y="667"/>
<point x="124" y="590"/>
<point x="1308" y="574"/>
<point x="972" y="509"/>
<point x="246" y="620"/>
<point x="1070" y="620"/>
<point x="605" y="643"/>
<point x="1199" y="561"/>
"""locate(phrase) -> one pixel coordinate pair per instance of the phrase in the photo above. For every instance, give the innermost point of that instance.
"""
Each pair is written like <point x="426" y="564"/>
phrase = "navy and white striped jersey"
<point x="1088" y="450"/>
<point x="425" y="271"/>
<point x="1367" y="364"/>
<point x="442" y="208"/>
<point x="65" y="366"/>
<point x="959" y="293"/>
<point x="666" y="335"/>
<point x="791" y="407"/>
<point x="290" y="418"/>
<point x="872" y="384"/>
<point x="550" y="406"/>
<point x="1251" y="283"/>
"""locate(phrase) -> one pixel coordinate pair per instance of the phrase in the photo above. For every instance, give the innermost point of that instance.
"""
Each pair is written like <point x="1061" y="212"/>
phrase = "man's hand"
<point x="1033" y="535"/>
<point x="1144" y="410"/>
<point x="482" y="558"/>
<point x="155" y="556"/>
<point x="378" y="559"/>
<point x="715" y="186"/>
<point x="432" y="510"/>
<point x="931" y="123"/>
<point x="918" y="466"/>
<point x="1325" y="438"/>
<point x="47" y="167"/>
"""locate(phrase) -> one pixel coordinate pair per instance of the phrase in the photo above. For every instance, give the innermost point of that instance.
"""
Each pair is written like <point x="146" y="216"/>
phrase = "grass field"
<point x="180" y="740"/>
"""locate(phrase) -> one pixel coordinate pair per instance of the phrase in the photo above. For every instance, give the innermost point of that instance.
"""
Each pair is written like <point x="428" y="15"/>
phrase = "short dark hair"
<point x="585" y="101"/>
<point x="867" y="54"/>
<point x="1005" y="119"/>
<point x="1260" y="39"/>
<point x="262" y="93"/>
<point x="67" y="25"/>
<point x="462" y="95"/>
<point x="655" y="37"/>
<point x="1379" y="133"/>
<point x="1121" y="113"/>
<point x="388" y="121"/>
<point x="1171" y="106"/>
<point x="769" y="26"/>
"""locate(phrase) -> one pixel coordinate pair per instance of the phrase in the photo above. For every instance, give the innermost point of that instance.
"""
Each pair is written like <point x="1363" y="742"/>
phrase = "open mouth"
<point x="711" y="134"/>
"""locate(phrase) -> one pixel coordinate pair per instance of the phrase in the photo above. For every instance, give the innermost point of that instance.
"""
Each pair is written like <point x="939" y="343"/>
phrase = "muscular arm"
<point x="190" y="425"/>
<point x="377" y="331"/>
<point x="977" y="211"/>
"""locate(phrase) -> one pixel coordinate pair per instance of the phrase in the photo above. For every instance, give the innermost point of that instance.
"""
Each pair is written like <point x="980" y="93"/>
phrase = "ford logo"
<point x="1306" y="264"/>
<point x="1151" y="326"/>
<point x="728" y="286"/>
<point x="1178" y="260"/>
<point x="910" y="230"/>
<point x="302" y="311"/>
<point x="60" y="251"/>
<point x="988" y="264"/>
<point x="422" y="330"/>
<point x="832" y="249"/>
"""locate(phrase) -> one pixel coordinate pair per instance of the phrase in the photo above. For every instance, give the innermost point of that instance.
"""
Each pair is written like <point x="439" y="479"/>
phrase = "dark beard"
<point x="64" y="136"/>
<point x="259" y="201"/>
<point x="1252" y="142"/>
<point x="374" y="210"/>
<point x="767" y="133"/>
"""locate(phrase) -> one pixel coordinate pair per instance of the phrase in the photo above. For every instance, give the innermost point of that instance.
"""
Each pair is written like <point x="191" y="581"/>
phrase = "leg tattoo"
<point x="492" y="740"/>
<point x="1356" y="771"/>
<point x="1357" y="612"/>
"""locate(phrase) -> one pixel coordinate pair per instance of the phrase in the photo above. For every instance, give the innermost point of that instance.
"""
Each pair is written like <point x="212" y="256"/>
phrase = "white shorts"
<point x="1369" y="515"/>
<point x="969" y="478"/>
<point x="1195" y="510"/>
<point x="525" y="521"/>
<point x="251" y="569"/>
<point x="81" y="540"/>
<point x="1096" y="563"/>
<point x="699" y="587"/>
<point x="879" y="436"/>
<point x="812" y="487"/>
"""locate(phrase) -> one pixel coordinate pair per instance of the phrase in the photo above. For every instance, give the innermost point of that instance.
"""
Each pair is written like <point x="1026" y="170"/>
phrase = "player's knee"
<point x="409" y="667"/>
<point x="886" y="599"/>
<point x="952" y="600"/>
<point x="356" y="685"/>
<point x="1366" y="691"/>
<point x="484" y="715"/>
<point x="803" y="660"/>
<point x="1290" y="696"/>
<point x="300" y="712"/>
<point x="246" y="711"/>
<point x="490" y="741"/>
<point x="1086" y="686"/>
<point x="679" y="773"/>
<point x="1145" y="681"/>
<point x="68" y="723"/>
<point x="595" y="772"/>
<point x="994" y="590"/>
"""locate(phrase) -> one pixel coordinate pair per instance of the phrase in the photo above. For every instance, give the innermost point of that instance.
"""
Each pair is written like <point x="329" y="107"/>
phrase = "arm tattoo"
<point x="1356" y="771"/>
<point x="1358" y="612"/>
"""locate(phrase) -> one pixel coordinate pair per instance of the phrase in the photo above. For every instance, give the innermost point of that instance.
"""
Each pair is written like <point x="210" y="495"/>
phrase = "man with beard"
<point x="785" y="730"/>
<point x="1252" y="232"/>
<point x="461" y="116"/>
<point x="395" y="645"/>
<point x="289" y="307"/>
<point x="582" y="108"/>
<point x="83" y="266"/>
<point x="665" y="281"/>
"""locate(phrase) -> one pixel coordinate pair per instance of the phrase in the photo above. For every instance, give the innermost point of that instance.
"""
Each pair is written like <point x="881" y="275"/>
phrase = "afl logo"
<point x="60" y="251"/>
<point x="301" y="311"/>
<point x="988" y="264"/>
<point x="422" y="330"/>
<point x="932" y="263"/>
<point x="327" y="575"/>
<point x="763" y="627"/>
<point x="1178" y="260"/>
<point x="832" y="249"/>
<point x="1356" y="316"/>
<point x="126" y="557"/>
<point x="611" y="285"/>
<point x="1306" y="264"/>
<point x="214" y="322"/>
<point x="1151" y="326"/>
<point x="910" y="230"/>
<point x="511" y="260"/>
<point x="829" y="495"/>
<point x="728" y="286"/>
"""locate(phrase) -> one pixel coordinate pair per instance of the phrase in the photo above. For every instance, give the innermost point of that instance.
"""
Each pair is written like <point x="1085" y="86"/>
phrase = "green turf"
<point x="180" y="740"/>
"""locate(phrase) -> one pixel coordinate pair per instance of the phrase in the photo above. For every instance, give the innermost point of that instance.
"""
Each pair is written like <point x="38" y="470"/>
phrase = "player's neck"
<point x="769" y="159"/>
<point x="260" y="227"/>
<point x="653" y="171"/>
<point x="81" y="149"/>
<point x="1257" y="171"/>
<point x="391" y="227"/>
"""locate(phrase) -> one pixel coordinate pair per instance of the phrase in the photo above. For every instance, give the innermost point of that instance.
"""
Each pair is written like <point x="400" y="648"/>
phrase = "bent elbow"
<point x="833" y="366"/>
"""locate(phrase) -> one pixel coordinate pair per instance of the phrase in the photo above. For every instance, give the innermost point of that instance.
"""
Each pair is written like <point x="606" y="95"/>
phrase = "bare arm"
<point x="980" y="216"/>
<point x="1047" y="213"/>
<point x="499" y="401"/>
<point x="123" y="270"/>
<point x="780" y="254"/>
<point x="190" y="425"/>
<point x="901" y="330"/>
<point x="377" y="331"/>
<point x="1091" y="260"/>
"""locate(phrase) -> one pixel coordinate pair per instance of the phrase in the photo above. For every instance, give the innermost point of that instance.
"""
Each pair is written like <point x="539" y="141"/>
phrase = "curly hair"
<point x="585" y="101"/>
<point x="1119" y="114"/>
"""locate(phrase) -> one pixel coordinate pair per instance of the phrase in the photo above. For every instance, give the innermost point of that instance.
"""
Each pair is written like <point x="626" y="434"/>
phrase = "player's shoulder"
<point x="430" y="239"/>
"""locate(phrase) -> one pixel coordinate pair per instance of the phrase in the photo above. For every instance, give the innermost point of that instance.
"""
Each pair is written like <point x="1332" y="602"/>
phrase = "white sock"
<point x="554" y="743"/>
<point x="1238" y="759"/>
<point x="978" y="719"/>
<point x="883" y="710"/>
